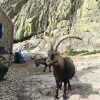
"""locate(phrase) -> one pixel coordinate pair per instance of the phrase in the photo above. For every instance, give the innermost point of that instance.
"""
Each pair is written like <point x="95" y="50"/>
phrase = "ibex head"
<point x="53" y="54"/>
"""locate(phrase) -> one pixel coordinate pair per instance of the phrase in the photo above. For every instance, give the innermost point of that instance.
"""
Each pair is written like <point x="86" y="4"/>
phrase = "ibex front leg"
<point x="57" y="89"/>
<point x="65" y="88"/>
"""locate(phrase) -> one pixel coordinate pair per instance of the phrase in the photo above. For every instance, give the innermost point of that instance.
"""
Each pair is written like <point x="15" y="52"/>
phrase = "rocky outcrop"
<point x="57" y="17"/>
<point x="87" y="24"/>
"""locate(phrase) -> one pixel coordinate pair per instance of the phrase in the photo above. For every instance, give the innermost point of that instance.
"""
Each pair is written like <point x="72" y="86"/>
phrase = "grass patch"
<point x="92" y="52"/>
<point x="73" y="52"/>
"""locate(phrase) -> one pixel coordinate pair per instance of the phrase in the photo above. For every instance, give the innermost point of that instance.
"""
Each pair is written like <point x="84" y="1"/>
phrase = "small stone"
<point x="74" y="97"/>
<point x="94" y="97"/>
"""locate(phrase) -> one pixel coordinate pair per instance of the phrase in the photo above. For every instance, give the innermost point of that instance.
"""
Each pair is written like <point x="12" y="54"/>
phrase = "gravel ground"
<point x="27" y="82"/>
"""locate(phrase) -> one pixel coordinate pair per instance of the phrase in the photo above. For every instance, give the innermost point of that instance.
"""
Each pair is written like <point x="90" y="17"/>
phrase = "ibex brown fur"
<point x="63" y="67"/>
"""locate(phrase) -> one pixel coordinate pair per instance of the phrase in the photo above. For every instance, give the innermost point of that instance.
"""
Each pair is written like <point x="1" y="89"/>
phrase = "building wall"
<point x="7" y="28"/>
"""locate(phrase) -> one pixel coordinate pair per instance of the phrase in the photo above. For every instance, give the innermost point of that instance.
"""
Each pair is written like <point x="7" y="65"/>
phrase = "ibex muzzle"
<point x="52" y="58"/>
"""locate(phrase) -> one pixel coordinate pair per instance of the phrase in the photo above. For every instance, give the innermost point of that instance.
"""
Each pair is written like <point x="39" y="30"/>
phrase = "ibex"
<point x="41" y="61"/>
<point x="63" y="67"/>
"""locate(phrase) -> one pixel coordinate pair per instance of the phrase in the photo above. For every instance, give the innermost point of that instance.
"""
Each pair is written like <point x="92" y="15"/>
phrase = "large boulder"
<point x="56" y="17"/>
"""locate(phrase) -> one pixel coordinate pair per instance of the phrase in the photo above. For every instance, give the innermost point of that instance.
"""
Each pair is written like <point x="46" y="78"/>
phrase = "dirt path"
<point x="26" y="82"/>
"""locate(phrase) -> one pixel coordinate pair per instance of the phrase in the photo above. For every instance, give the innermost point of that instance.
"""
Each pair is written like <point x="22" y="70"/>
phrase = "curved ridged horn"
<point x="65" y="37"/>
<point x="47" y="39"/>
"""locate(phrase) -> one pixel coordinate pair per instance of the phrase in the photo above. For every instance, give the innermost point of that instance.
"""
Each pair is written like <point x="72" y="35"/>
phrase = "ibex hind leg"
<point x="69" y="86"/>
<point x="49" y="68"/>
<point x="65" y="88"/>
<point x="60" y="85"/>
<point x="44" y="68"/>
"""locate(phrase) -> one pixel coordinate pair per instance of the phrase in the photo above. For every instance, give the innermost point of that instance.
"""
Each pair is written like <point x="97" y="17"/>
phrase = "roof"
<point x="1" y="10"/>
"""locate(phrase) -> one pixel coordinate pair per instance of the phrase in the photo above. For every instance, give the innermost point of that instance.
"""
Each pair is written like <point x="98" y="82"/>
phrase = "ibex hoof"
<point x="60" y="85"/>
<point x="43" y="70"/>
<point x="69" y="88"/>
<point x="56" y="97"/>
<point x="50" y="71"/>
<point x="65" y="97"/>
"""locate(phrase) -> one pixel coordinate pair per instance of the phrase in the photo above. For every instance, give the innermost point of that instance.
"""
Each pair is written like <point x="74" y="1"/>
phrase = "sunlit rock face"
<point x="57" y="18"/>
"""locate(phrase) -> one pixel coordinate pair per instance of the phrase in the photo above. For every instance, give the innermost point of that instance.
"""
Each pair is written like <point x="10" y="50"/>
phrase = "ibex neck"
<point x="61" y="62"/>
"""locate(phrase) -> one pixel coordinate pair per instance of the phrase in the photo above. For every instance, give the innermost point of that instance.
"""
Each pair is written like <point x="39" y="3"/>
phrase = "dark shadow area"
<point x="1" y="30"/>
<point x="83" y="89"/>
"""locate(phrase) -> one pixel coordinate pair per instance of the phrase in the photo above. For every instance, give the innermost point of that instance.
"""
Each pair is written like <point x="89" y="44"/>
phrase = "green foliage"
<point x="73" y="52"/>
<point x="92" y="52"/>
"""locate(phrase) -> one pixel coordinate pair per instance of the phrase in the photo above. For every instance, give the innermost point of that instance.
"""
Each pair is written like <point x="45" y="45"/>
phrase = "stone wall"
<point x="7" y="28"/>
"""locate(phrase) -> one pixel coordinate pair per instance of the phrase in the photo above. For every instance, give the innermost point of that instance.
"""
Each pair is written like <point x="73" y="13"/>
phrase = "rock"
<point x="56" y="17"/>
<point x="94" y="96"/>
<point x="74" y="97"/>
